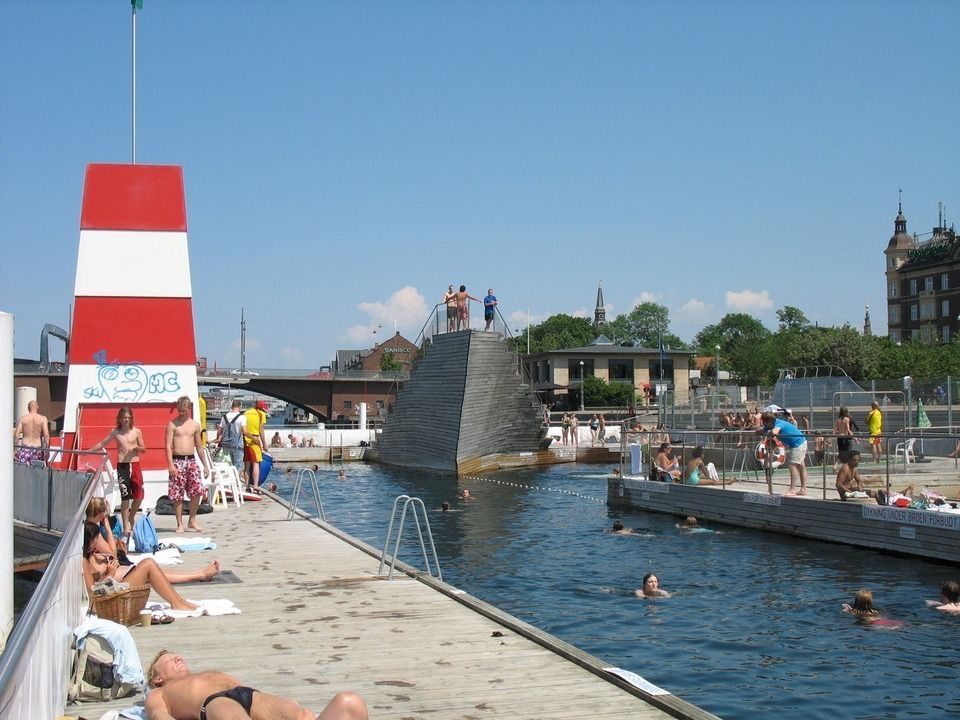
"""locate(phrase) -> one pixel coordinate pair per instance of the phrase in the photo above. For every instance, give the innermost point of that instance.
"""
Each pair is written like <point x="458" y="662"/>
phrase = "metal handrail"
<point x="305" y="474"/>
<point x="407" y="502"/>
<point x="37" y="646"/>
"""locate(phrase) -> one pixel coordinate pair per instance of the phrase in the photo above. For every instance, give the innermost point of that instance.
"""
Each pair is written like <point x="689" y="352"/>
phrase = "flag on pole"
<point x="137" y="4"/>
<point x="922" y="420"/>
<point x="663" y="351"/>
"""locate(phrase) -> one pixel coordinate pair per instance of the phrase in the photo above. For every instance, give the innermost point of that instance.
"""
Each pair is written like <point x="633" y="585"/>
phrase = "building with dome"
<point x="923" y="283"/>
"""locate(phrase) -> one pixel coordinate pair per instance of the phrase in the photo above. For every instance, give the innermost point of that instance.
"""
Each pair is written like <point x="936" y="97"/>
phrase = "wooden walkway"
<point x="316" y="620"/>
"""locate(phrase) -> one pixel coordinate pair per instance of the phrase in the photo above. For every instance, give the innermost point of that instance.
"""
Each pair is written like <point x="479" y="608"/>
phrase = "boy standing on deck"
<point x="130" y="446"/>
<point x="796" y="444"/>
<point x="182" y="444"/>
<point x="489" y="303"/>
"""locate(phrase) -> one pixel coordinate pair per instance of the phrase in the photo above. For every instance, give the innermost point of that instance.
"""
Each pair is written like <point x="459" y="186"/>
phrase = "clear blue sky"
<point x="346" y="161"/>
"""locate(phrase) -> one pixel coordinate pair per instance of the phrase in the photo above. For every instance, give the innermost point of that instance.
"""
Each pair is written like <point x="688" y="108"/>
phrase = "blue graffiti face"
<point x="122" y="383"/>
<point x="130" y="383"/>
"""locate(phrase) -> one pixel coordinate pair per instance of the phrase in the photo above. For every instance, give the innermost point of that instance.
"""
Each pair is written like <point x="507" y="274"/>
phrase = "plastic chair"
<point x="906" y="450"/>
<point x="223" y="477"/>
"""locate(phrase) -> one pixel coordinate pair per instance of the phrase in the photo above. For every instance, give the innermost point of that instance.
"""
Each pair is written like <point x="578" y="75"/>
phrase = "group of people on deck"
<point x="457" y="304"/>
<point x="176" y="691"/>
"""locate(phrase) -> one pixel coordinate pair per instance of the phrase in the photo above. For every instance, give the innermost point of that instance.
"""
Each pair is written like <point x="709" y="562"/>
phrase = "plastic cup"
<point x="146" y="618"/>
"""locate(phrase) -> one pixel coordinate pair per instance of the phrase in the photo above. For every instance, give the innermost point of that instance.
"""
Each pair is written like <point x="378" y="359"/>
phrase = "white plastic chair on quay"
<point x="223" y="477"/>
<point x="906" y="450"/>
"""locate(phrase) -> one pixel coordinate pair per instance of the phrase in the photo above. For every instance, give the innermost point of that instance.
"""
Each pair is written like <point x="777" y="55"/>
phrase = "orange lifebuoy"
<point x="778" y="457"/>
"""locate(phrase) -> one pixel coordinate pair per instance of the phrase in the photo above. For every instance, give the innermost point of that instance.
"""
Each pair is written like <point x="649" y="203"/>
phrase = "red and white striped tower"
<point x="132" y="340"/>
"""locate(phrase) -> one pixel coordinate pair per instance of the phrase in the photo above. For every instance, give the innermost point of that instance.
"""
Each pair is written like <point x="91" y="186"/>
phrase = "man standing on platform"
<point x="33" y="433"/>
<point x="183" y="442"/>
<point x="254" y="441"/>
<point x="489" y="305"/>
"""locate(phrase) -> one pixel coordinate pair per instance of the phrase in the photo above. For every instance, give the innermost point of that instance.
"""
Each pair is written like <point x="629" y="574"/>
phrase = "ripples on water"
<point x="753" y="629"/>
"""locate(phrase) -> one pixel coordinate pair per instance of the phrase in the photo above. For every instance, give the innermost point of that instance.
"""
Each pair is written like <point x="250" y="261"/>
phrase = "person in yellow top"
<point x="253" y="443"/>
<point x="875" y="427"/>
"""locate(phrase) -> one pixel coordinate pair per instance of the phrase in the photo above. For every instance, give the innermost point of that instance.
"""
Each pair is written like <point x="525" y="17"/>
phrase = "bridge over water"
<point x="328" y="395"/>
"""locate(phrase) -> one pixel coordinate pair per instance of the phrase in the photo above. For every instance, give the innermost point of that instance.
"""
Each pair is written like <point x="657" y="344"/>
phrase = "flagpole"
<point x="133" y="82"/>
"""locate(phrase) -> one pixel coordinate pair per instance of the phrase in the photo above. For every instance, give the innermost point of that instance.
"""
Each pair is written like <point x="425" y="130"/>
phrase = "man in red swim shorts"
<point x="130" y="446"/>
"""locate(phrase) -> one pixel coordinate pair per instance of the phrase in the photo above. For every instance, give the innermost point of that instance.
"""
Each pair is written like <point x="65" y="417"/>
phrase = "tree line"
<point x="752" y="353"/>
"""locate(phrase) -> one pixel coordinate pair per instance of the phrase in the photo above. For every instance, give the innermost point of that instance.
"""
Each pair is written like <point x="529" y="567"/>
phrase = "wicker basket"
<point x="123" y="607"/>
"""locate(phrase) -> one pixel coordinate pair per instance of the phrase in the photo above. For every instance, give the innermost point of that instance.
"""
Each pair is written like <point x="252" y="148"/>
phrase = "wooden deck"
<point x="819" y="515"/>
<point x="316" y="620"/>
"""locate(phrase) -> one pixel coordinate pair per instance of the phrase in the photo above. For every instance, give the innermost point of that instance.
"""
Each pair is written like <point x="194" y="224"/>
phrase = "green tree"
<point x="599" y="393"/>
<point x="389" y="363"/>
<point x="558" y="332"/>
<point x="644" y="326"/>
<point x="744" y="348"/>
<point x="791" y="318"/>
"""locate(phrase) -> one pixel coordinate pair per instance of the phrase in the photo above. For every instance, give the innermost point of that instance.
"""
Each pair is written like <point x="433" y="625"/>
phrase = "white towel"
<point x="187" y="543"/>
<point x="170" y="556"/>
<point x="207" y="607"/>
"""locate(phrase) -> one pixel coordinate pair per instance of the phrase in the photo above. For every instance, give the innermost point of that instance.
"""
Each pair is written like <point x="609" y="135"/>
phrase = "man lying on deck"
<point x="179" y="694"/>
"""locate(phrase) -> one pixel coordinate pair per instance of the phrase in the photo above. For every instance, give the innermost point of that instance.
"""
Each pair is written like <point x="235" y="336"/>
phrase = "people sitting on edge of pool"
<point x="691" y="474"/>
<point x="651" y="588"/>
<point x="276" y="441"/>
<point x="862" y="606"/>
<point x="949" y="601"/>
<point x="668" y="467"/>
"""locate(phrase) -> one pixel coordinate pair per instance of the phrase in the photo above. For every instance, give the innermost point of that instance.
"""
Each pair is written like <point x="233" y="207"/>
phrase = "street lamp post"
<point x="717" y="367"/>
<point x="582" y="388"/>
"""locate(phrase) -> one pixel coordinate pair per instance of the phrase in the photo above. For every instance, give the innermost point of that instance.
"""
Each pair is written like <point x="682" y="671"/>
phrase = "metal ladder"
<point x="414" y="503"/>
<point x="302" y="474"/>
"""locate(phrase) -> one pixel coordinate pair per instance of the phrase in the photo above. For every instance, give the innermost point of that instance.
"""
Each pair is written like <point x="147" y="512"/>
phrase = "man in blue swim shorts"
<point x="489" y="303"/>
<point x="179" y="693"/>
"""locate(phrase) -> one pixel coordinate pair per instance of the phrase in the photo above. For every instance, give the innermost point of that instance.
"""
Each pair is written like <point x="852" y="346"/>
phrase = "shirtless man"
<point x="949" y="601"/>
<point x="450" y="301"/>
<point x="183" y="441"/>
<point x="33" y="433"/>
<point x="130" y="445"/>
<point x="849" y="480"/>
<point x="179" y="694"/>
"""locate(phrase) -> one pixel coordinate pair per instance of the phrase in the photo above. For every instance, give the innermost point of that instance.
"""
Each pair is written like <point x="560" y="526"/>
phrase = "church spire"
<point x="600" y="313"/>
<point x="867" y="330"/>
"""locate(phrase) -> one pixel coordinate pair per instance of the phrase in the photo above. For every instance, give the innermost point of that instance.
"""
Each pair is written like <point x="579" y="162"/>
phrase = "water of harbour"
<point x="753" y="629"/>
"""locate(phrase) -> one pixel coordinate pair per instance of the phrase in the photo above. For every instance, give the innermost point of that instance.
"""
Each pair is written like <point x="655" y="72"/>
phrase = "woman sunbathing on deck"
<point x="106" y="544"/>
<point x="695" y="466"/>
<point x="99" y="565"/>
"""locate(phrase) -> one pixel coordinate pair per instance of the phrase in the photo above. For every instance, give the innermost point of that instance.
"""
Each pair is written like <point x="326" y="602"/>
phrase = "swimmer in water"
<point x="342" y="475"/>
<point x="465" y="495"/>
<point x="445" y="506"/>
<point x="862" y="606"/>
<point x="949" y="601"/>
<point x="651" y="588"/>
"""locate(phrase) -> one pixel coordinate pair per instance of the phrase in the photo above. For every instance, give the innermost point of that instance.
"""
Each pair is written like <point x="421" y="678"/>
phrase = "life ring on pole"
<point x="778" y="452"/>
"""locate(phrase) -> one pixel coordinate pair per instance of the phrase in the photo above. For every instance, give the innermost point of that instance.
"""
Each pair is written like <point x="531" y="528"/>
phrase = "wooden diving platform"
<point x="822" y="516"/>
<point x="317" y="619"/>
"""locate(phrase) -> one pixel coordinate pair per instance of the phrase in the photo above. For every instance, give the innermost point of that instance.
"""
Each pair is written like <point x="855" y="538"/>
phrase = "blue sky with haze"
<point x="346" y="161"/>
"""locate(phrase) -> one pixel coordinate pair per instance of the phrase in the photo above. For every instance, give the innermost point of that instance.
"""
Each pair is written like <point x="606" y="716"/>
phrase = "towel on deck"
<point x="188" y="544"/>
<point x="168" y="556"/>
<point x="207" y="607"/>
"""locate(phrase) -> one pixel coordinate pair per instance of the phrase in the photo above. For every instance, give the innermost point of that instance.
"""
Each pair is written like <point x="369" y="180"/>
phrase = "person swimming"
<point x="949" y="601"/>
<point x="862" y="606"/>
<point x="651" y="588"/>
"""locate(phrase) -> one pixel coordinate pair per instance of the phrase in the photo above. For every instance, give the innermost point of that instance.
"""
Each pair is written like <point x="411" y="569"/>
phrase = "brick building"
<point x="923" y="284"/>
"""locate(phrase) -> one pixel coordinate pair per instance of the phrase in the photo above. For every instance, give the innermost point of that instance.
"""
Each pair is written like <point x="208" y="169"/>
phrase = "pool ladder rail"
<point x="414" y="503"/>
<point x="311" y="476"/>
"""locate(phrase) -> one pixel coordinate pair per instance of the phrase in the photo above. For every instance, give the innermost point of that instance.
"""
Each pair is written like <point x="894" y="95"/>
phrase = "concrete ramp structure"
<point x="465" y="409"/>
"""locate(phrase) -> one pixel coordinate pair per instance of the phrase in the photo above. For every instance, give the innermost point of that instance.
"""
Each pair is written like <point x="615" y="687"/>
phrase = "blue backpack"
<point x="145" y="535"/>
